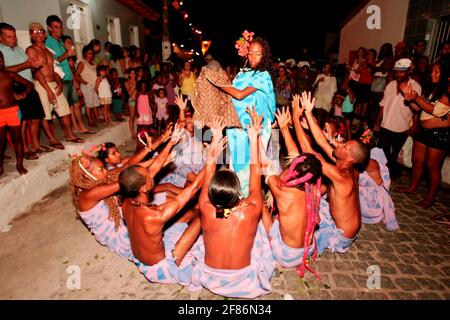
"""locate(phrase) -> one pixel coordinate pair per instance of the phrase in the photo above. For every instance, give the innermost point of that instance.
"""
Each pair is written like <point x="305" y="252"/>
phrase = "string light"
<point x="177" y="5"/>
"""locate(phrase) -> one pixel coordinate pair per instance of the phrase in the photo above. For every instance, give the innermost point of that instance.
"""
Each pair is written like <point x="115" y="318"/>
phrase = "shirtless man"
<point x="159" y="254"/>
<point x="287" y="233"/>
<point x="341" y="222"/>
<point x="30" y="107"/>
<point x="9" y="114"/>
<point x="49" y="86"/>
<point x="237" y="260"/>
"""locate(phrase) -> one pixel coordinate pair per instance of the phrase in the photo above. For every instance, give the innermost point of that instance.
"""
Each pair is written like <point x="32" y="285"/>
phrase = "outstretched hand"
<point x="180" y="102"/>
<point x="217" y="125"/>
<point x="177" y="134"/>
<point x="307" y="102"/>
<point x="168" y="133"/>
<point x="283" y="118"/>
<point x="215" y="148"/>
<point x="408" y="92"/>
<point x="255" y="123"/>
<point x="297" y="110"/>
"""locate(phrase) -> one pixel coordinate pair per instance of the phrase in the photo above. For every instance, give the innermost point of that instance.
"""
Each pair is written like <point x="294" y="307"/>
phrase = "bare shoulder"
<point x="30" y="49"/>
<point x="373" y="165"/>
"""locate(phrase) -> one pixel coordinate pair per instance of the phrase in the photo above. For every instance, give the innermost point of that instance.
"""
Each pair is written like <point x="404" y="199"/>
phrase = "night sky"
<point x="287" y="25"/>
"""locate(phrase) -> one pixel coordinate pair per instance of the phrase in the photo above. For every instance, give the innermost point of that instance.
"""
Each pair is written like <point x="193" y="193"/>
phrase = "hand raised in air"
<point x="283" y="118"/>
<point x="307" y="102"/>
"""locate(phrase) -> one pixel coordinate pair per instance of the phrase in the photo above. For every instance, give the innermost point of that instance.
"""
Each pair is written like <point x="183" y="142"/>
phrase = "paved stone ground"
<point x="414" y="261"/>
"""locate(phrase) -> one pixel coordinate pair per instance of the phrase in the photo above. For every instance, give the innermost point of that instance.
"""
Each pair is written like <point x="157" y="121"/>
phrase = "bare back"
<point x="145" y="227"/>
<point x="292" y="216"/>
<point x="343" y="196"/>
<point x="229" y="242"/>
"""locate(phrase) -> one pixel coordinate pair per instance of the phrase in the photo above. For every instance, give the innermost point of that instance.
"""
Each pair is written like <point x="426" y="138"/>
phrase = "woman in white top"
<point x="324" y="88"/>
<point x="87" y="76"/>
<point x="432" y="144"/>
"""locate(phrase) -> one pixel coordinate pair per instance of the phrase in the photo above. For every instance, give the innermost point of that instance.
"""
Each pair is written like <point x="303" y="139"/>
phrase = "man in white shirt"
<point x="395" y="117"/>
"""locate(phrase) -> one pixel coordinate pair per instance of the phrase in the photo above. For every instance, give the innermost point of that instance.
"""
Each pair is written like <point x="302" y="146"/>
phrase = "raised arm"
<point x="238" y="94"/>
<point x="182" y="104"/>
<point x="161" y="159"/>
<point x="172" y="207"/>
<point x="329" y="170"/>
<point x="255" y="195"/>
<point x="90" y="198"/>
<point x="284" y="120"/>
<point x="417" y="102"/>
<point x="316" y="131"/>
<point x="297" y="112"/>
<point x="215" y="148"/>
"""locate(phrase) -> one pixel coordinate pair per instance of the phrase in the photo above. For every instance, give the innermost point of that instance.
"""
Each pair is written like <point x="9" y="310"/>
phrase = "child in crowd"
<point x="103" y="90"/>
<point x="161" y="113"/>
<point x="130" y="86"/>
<point x="338" y="99"/>
<point x="158" y="83"/>
<point x="117" y="94"/>
<point x="347" y="107"/>
<point x="140" y="74"/>
<point x="143" y="107"/>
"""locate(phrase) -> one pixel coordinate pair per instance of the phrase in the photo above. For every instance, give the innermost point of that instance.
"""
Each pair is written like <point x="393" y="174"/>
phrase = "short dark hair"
<point x="5" y="26"/>
<point x="140" y="83"/>
<point x="103" y="154"/>
<point x="51" y="19"/>
<point x="101" y="68"/>
<point x="129" y="70"/>
<point x="163" y="90"/>
<point x="94" y="42"/>
<point x="85" y="50"/>
<point x="361" y="155"/>
<point x="65" y="37"/>
<point x="224" y="191"/>
<point x="130" y="181"/>
<point x="112" y="70"/>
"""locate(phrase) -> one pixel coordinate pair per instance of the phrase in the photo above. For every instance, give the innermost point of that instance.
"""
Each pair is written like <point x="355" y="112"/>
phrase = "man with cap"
<point x="49" y="86"/>
<point x="305" y="79"/>
<point x="395" y="118"/>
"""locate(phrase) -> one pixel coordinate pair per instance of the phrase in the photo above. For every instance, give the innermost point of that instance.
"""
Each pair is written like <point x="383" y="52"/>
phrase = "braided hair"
<point x="80" y="180"/>
<point x="305" y="173"/>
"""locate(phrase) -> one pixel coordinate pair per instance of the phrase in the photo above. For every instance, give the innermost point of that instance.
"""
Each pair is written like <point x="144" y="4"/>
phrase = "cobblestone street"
<point x="414" y="261"/>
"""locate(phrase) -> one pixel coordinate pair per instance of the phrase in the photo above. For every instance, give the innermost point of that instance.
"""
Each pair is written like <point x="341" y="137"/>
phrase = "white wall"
<point x="20" y="13"/>
<point x="100" y="9"/>
<point x="356" y="34"/>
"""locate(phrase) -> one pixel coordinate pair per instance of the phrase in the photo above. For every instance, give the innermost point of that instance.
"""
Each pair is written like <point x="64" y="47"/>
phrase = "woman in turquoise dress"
<point x="252" y="87"/>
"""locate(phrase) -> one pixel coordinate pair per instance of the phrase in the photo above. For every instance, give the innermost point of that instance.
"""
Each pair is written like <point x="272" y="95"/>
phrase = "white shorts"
<point x="62" y="106"/>
<point x="90" y="96"/>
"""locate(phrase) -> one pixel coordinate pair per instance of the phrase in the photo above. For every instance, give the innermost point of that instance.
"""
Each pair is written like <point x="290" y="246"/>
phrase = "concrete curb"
<point x="50" y="172"/>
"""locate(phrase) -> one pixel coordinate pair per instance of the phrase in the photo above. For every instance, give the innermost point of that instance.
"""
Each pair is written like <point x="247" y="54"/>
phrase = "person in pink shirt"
<point x="144" y="112"/>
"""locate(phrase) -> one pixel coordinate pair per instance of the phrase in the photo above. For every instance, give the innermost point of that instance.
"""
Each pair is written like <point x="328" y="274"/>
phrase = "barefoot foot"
<point x="21" y="170"/>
